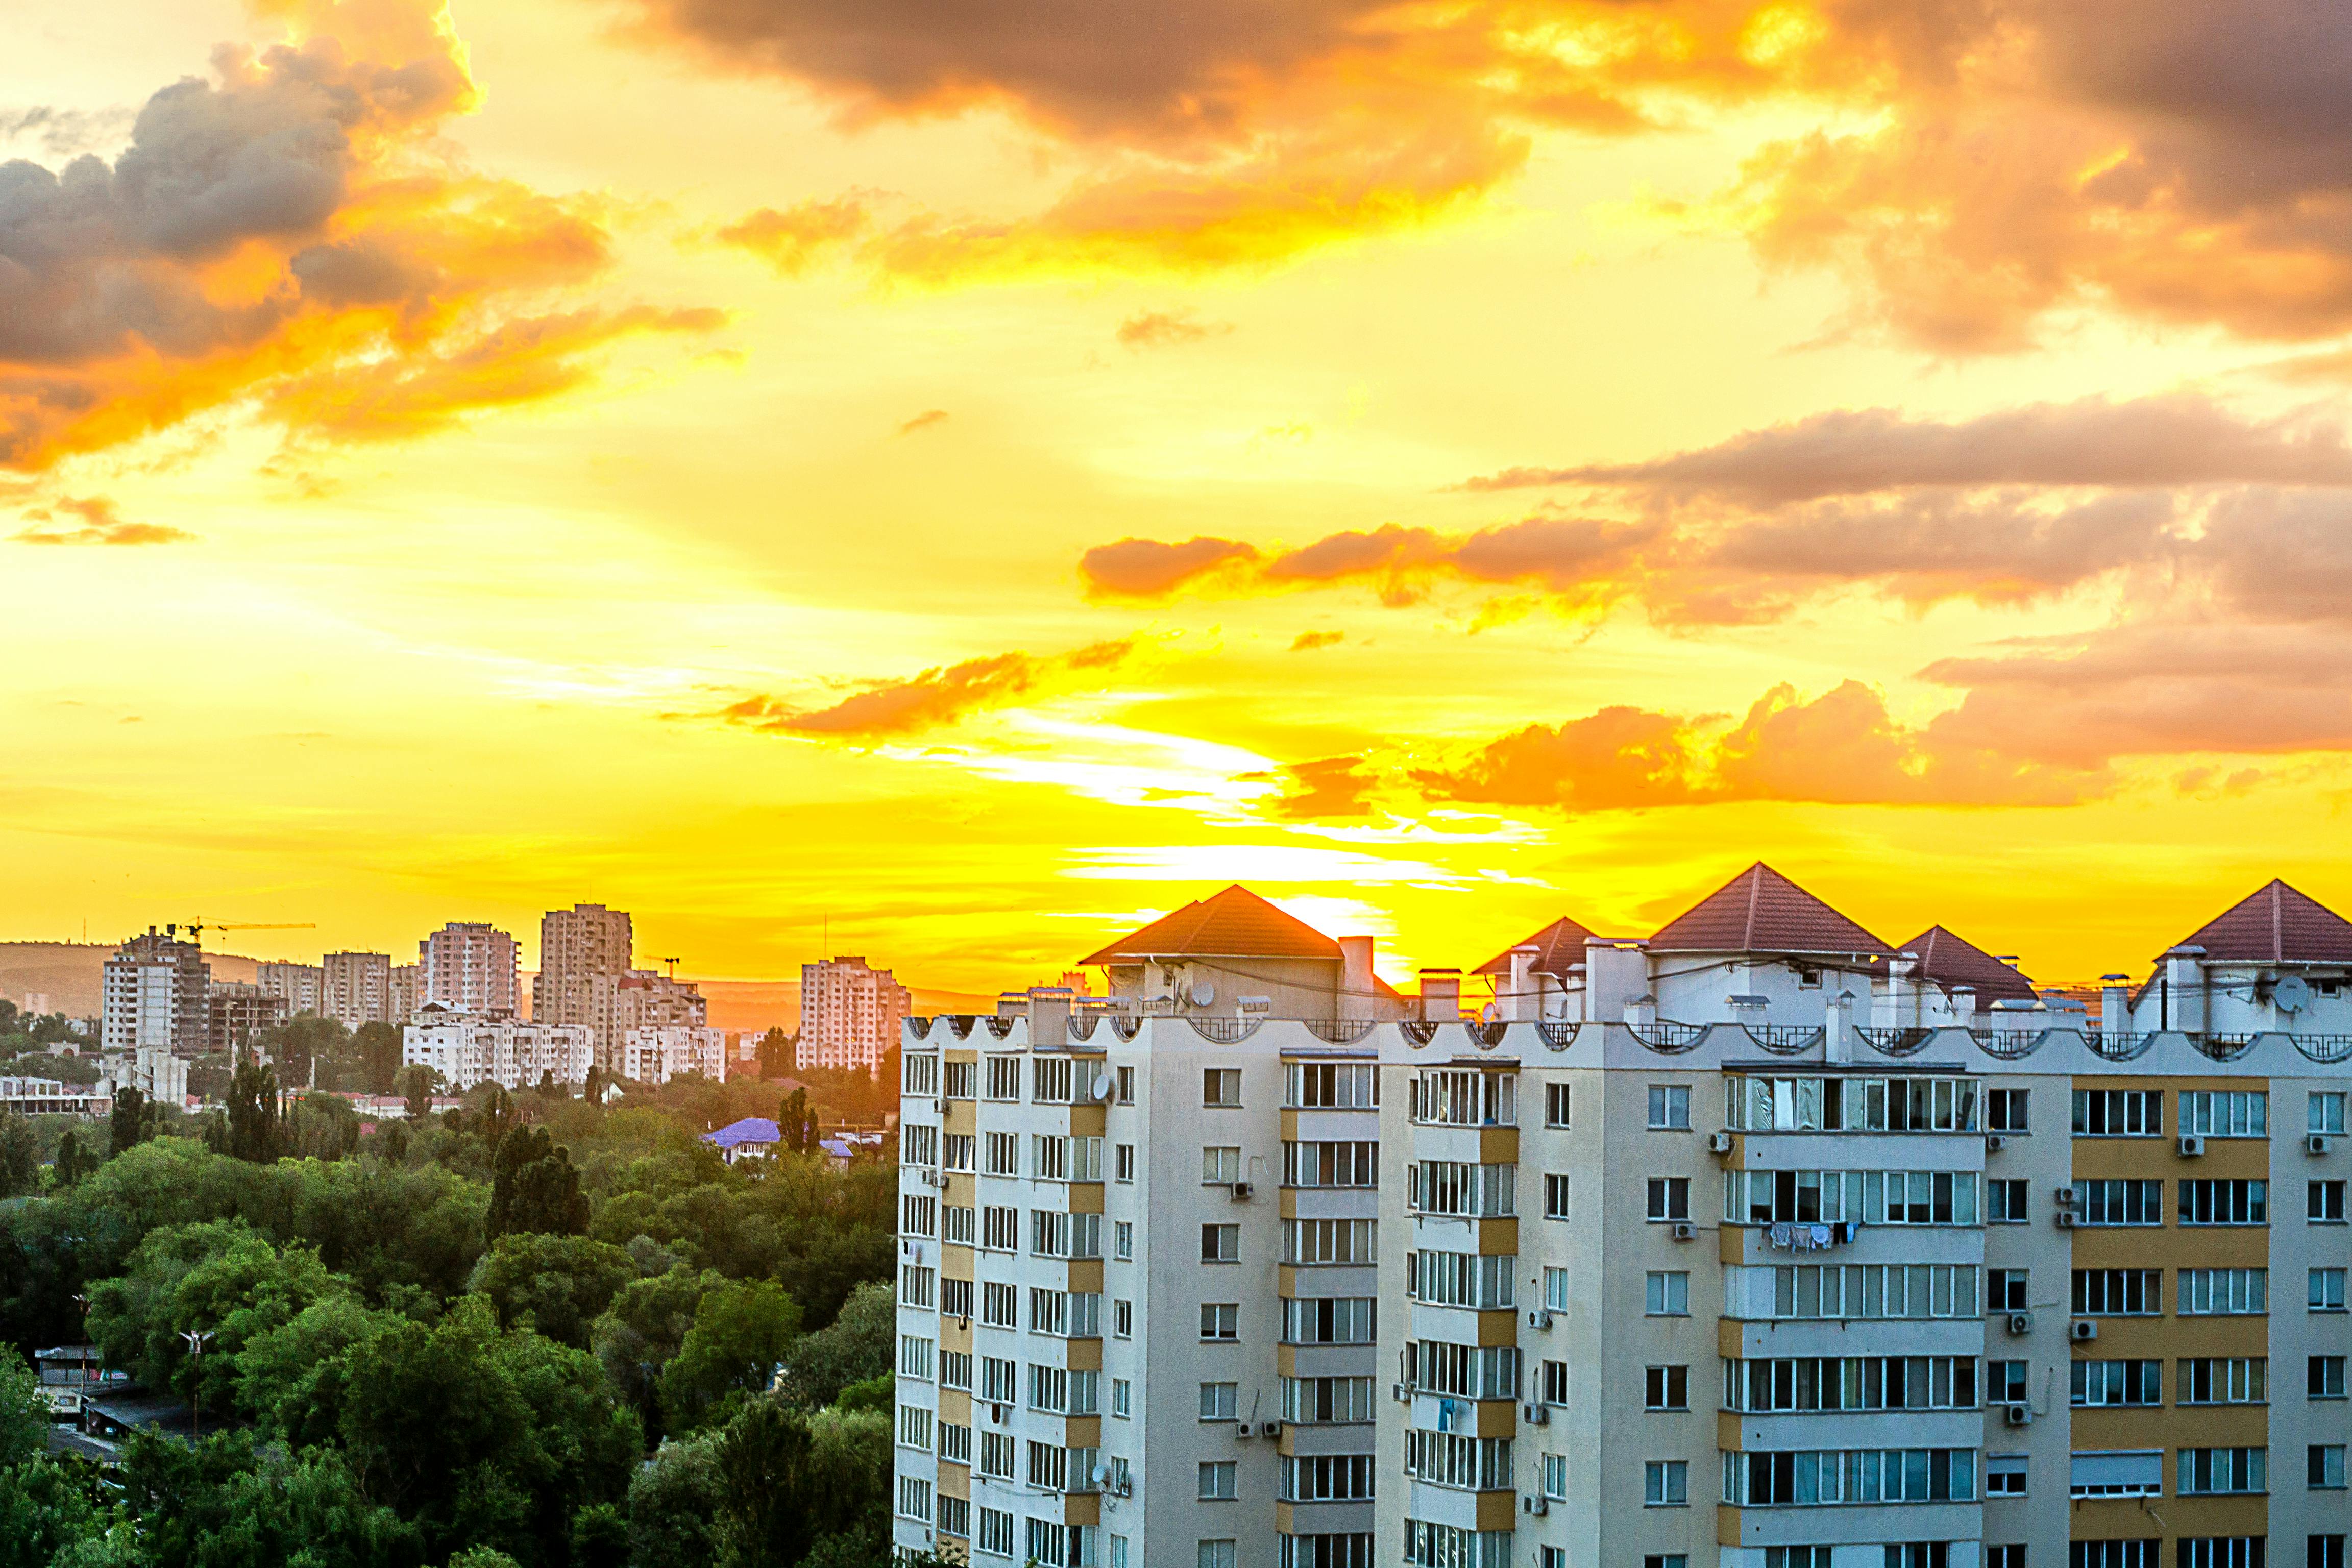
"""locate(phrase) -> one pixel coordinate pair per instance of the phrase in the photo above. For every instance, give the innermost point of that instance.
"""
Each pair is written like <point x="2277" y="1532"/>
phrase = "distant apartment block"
<point x="849" y="1014"/>
<point x="1753" y="1242"/>
<point x="468" y="1048"/>
<point x="469" y="967"/>
<point x="407" y="991"/>
<point x="657" y="1054"/>
<point x="303" y="986"/>
<point x="584" y="951"/>
<point x="154" y="994"/>
<point x="237" y="1012"/>
<point x="356" y="988"/>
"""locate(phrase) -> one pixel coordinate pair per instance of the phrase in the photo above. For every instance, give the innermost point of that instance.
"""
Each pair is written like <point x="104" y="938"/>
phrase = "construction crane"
<point x="673" y="965"/>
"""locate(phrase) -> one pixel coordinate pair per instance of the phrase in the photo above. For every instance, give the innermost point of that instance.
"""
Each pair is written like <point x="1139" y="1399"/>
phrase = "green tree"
<point x="295" y="1045"/>
<point x="777" y="1050"/>
<point x="742" y="1333"/>
<point x="796" y="1124"/>
<point x="858" y="1345"/>
<point x="254" y="1131"/>
<point x="72" y="1162"/>
<point x="375" y="1049"/>
<point x="417" y="1084"/>
<point x="558" y="1284"/>
<point x="673" y="1507"/>
<point x="130" y="1125"/>
<point x="641" y="1330"/>
<point x="534" y="1186"/>
<point x="20" y="1156"/>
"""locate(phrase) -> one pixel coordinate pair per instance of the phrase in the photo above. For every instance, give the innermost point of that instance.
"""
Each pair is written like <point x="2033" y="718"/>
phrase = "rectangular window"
<point x="2119" y="1113"/>
<point x="914" y="1498"/>
<point x="1049" y="1389"/>
<point x="1120" y="1397"/>
<point x="957" y="1152"/>
<point x="2324" y="1111"/>
<point x="2223" y="1292"/>
<point x="2219" y="1552"/>
<point x="1666" y="1388"/>
<point x="999" y="1379"/>
<point x="916" y="1284"/>
<point x="1221" y="1244"/>
<point x="1810" y="1384"/>
<point x="922" y="1073"/>
<point x="1327" y="1477"/>
<point x="2323" y="1202"/>
<point x="2225" y="1112"/>
<point x="1355" y="1163"/>
<point x="1483" y="1280"/>
<point x="1465" y="1371"/>
<point x="2119" y="1292"/>
<point x="2323" y="1551"/>
<point x="914" y="1426"/>
<point x="1220" y="1401"/>
<point x="2223" y="1380"/>
<point x="1331" y="1086"/>
<point x="1809" y="1476"/>
<point x="2207" y="1201"/>
<point x="2136" y="1472"/>
<point x="955" y="1516"/>
<point x="1556" y="1197"/>
<point x="919" y="1143"/>
<point x="1004" y="1077"/>
<point x="1326" y="1320"/>
<point x="1555" y="1290"/>
<point x="1216" y="1554"/>
<point x="1123" y="1162"/>
<point x="1220" y="1321"/>
<point x="2103" y="1383"/>
<point x="1219" y="1480"/>
<point x="1049" y="1311"/>
<point x="1666" y="1483"/>
<point x="1327" y="1401"/>
<point x="2007" y="1290"/>
<point x="2326" y="1291"/>
<point x="1556" y="1098"/>
<point x="2113" y="1200"/>
<point x="999" y="1305"/>
<point x="2324" y="1377"/>
<point x="2324" y="1466"/>
<point x="1669" y="1108"/>
<point x="1669" y="1198"/>
<point x="1873" y="1198"/>
<point x="1125" y="1085"/>
<point x="960" y="1226"/>
<point x="919" y="1215"/>
<point x="2114" y="1554"/>
<point x="1122" y="1318"/>
<point x="955" y="1369"/>
<point x="1551" y="1383"/>
<point x="1049" y="1081"/>
<point x="1458" y="1461"/>
<point x="955" y="1443"/>
<point x="1049" y="1157"/>
<point x="1457" y="1187"/>
<point x="1855" y="1291"/>
<point x="2005" y="1200"/>
<point x="1221" y="1165"/>
<point x="915" y="1357"/>
<point x="959" y="1081"/>
<point x="1004" y="1151"/>
<point x="996" y="1528"/>
<point x="1220" y="1087"/>
<point x="2005" y="1109"/>
<point x="1122" y="1233"/>
<point x="1666" y="1293"/>
<point x="2006" y="1382"/>
<point x="1464" y="1097"/>
<point x="2214" y="1472"/>
<point x="2004" y="1476"/>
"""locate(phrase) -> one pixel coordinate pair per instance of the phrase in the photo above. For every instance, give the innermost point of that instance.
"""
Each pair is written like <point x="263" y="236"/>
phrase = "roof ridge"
<point x="1755" y="885"/>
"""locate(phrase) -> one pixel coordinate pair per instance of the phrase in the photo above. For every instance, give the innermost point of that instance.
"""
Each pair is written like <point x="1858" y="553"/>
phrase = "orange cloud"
<point x="1307" y="642"/>
<point x="1336" y="786"/>
<point x="1162" y="329"/>
<point x="924" y="421"/>
<point x="284" y="230"/>
<point x="936" y="697"/>
<point x="100" y="524"/>
<point x="793" y="240"/>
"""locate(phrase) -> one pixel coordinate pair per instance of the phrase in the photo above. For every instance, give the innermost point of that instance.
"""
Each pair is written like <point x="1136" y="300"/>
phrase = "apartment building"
<point x="236" y="1012"/>
<point x="1756" y="1241"/>
<point x="468" y="966"/>
<point x="850" y="1014"/>
<point x="356" y="988"/>
<point x="467" y="1049"/>
<point x="406" y="991"/>
<point x="155" y="993"/>
<point x="301" y="986"/>
<point x="583" y="952"/>
<point x="658" y="1054"/>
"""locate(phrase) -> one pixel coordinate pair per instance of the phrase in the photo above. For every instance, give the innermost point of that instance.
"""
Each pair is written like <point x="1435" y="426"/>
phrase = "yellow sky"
<point x="616" y="578"/>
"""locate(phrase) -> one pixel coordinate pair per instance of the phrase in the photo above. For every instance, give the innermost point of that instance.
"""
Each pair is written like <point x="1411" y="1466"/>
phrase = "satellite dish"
<point x="1202" y="994"/>
<point x="2292" y="995"/>
<point x="1102" y="1086"/>
<point x="1101" y="1473"/>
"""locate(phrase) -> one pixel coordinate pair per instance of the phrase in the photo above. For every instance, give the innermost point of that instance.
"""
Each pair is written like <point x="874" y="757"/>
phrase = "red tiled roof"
<point x="1562" y="943"/>
<point x="1948" y="961"/>
<point x="2276" y="925"/>
<point x="1759" y="911"/>
<point x="1235" y="923"/>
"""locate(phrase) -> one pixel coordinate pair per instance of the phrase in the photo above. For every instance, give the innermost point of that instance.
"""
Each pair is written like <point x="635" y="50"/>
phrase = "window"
<point x="1221" y="1320"/>
<point x="2005" y="1109"/>
<point x="1127" y="1086"/>
<point x="2224" y="1292"/>
<point x="1666" y="1483"/>
<point x="1353" y="1163"/>
<point x="1216" y="1554"/>
<point x="1669" y="1108"/>
<point x="2228" y="1202"/>
<point x="959" y="1081"/>
<point x="1047" y="1540"/>
<point x="2324" y="1551"/>
<point x="2223" y="1380"/>
<point x="995" y="1529"/>
<point x="1049" y="1389"/>
<point x="1551" y="1383"/>
<point x="957" y="1151"/>
<point x="1773" y="1385"/>
<point x="2119" y="1113"/>
<point x="1331" y="1086"/>
<point x="2005" y="1202"/>
<point x="2134" y="1472"/>
<point x="1049" y="1469"/>
<point x="2326" y="1291"/>
<point x="1874" y="1290"/>
<point x="916" y="1284"/>
<point x="1665" y="1559"/>
<point x="2007" y="1382"/>
<point x="2008" y="1556"/>
<point x="1221" y="1087"/>
<point x="2221" y="1551"/>
<point x="2113" y="1200"/>
<point x="1457" y="1187"/>
<point x="1327" y="1477"/>
<point x="2324" y="1377"/>
<point x="1465" y="1371"/>
<point x="1873" y="1198"/>
<point x="2005" y="1290"/>
<point x="955" y="1443"/>
<point x="959" y="1225"/>
<point x="1555" y="1290"/>
<point x="1049" y="1311"/>
<point x="1556" y="1105"/>
<point x="1483" y="1280"/>
<point x="1221" y="1165"/>
<point x="914" y="1498"/>
<point x="1221" y="1244"/>
<point x="2119" y="1292"/>
<point x="1049" y="1157"/>
<point x="1326" y="1320"/>
<point x="2324" y="1466"/>
<point x="1123" y="1162"/>
<point x="1556" y="1197"/>
<point x="2004" y="1476"/>
<point x="1796" y="1557"/>
<point x="1464" y="1097"/>
<point x="955" y="1516"/>
<point x="914" y="1426"/>
<point x="1669" y="1197"/>
<point x="1761" y="1103"/>
<point x="2209" y="1472"/>
<point x="1122" y="1233"/>
<point x="918" y="1144"/>
<point x="1003" y="1154"/>
<point x="999" y="1379"/>
<point x="999" y="1305"/>
<point x="2104" y="1382"/>
<point x="1220" y="1401"/>
<point x="1554" y="1470"/>
<point x="922" y="1073"/>
<point x="1327" y="1401"/>
<point x="1004" y="1077"/>
<point x="2323" y="1202"/>
<point x="1219" y="1480"/>
<point x="2324" y="1111"/>
<point x="1666" y="1388"/>
<point x="955" y="1370"/>
<point x="2114" y="1554"/>
<point x="1122" y="1318"/>
<point x="2225" y="1112"/>
<point x="1049" y="1081"/>
<point x="1666" y="1293"/>
<point x="1451" y="1460"/>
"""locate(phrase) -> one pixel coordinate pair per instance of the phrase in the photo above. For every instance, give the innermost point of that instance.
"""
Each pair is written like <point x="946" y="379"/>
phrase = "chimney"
<point x="2114" y="1003"/>
<point x="1441" y="995"/>
<point x="1049" y="1016"/>
<point x="1964" y="1005"/>
<point x="1838" y="1038"/>
<point x="1519" y="999"/>
<point x="1358" y="988"/>
<point x="1614" y="973"/>
<point x="1902" y="998"/>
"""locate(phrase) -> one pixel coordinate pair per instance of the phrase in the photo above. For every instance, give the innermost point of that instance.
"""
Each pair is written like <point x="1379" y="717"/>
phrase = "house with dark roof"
<point x="1768" y="949"/>
<point x="1532" y="979"/>
<point x="1236" y="955"/>
<point x="2276" y="960"/>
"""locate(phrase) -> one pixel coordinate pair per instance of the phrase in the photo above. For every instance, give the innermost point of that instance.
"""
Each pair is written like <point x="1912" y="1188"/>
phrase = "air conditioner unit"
<point x="2020" y="1414"/>
<point x="1244" y="1430"/>
<point x="2082" y="1331"/>
<point x="2062" y="1196"/>
<point x="1536" y="1415"/>
<point x="1540" y="1319"/>
<point x="1242" y="1191"/>
<point x="1401" y="1391"/>
<point x="2191" y="1146"/>
<point x="2021" y="1322"/>
<point x="1270" y="1428"/>
<point x="1718" y="1142"/>
<point x="2315" y="1143"/>
<point x="1685" y="1231"/>
<point x="1535" y="1505"/>
<point x="2065" y="1218"/>
<point x="1995" y="1142"/>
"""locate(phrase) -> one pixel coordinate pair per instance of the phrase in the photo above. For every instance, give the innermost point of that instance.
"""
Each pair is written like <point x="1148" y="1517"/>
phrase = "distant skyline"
<point x="772" y="465"/>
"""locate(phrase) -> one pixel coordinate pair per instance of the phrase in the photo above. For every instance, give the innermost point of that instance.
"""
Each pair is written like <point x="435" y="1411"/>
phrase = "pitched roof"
<point x="1947" y="961"/>
<point x="1235" y="923"/>
<point x="2276" y="925"/>
<point x="1759" y="911"/>
<point x="750" y="1129"/>
<point x="1562" y="943"/>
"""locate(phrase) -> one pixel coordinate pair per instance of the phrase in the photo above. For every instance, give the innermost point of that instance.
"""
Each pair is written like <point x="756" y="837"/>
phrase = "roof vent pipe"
<point x="1358" y="988"/>
<point x="1519" y="1000"/>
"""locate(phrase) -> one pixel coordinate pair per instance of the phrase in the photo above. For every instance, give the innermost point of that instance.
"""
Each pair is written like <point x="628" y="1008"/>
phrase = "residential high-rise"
<point x="1756" y="1242"/>
<point x="849" y="1014"/>
<point x="658" y="1054"/>
<point x="406" y="991"/>
<point x="468" y="966"/>
<point x="301" y="985"/>
<point x="584" y="951"/>
<point x="155" y="993"/>
<point x="236" y="1012"/>
<point x="468" y="1048"/>
<point x="356" y="988"/>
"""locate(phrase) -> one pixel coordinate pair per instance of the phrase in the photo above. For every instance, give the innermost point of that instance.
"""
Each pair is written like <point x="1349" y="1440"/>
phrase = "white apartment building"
<point x="850" y="1014"/>
<point x="468" y="1048"/>
<point x="303" y="986"/>
<point x="1755" y="1242"/>
<point x="356" y="988"/>
<point x="658" y="1055"/>
<point x="157" y="993"/>
<point x="468" y="966"/>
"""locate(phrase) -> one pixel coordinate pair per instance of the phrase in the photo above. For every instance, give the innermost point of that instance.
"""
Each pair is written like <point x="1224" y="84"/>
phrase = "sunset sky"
<point x="980" y="475"/>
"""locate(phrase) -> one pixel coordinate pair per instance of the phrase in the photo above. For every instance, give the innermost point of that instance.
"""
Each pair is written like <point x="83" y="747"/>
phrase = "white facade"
<point x="849" y="1014"/>
<point x="657" y="1055"/>
<point x="471" y="1048"/>
<point x="156" y="992"/>
<point x="302" y="986"/>
<point x="160" y="1075"/>
<point x="469" y="967"/>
